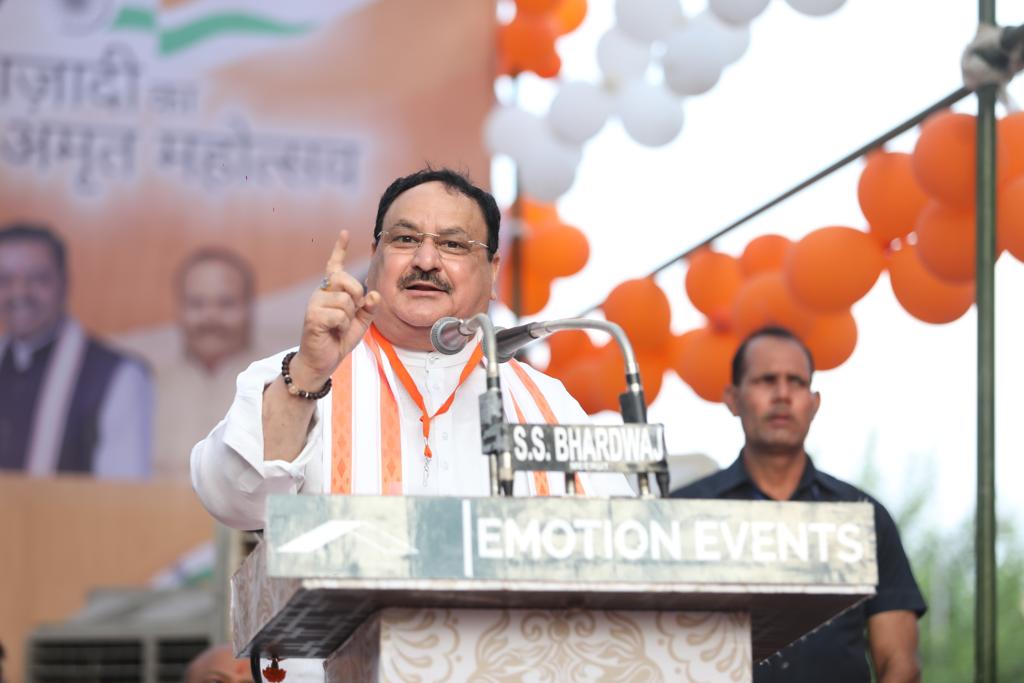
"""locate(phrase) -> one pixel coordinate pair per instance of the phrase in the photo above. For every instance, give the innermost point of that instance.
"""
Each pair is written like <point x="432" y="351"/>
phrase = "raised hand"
<point x="337" y="316"/>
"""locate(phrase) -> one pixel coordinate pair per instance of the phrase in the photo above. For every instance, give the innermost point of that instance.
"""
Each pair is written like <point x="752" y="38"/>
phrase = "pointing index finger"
<point x="337" y="260"/>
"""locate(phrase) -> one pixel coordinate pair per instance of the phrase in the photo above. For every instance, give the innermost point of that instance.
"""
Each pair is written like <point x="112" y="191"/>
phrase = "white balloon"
<point x="737" y="12"/>
<point x="579" y="111"/>
<point x="650" y="114"/>
<point x="816" y="8"/>
<point x="696" y="54"/>
<point x="691" y="79"/>
<point x="547" y="168"/>
<point x="509" y="130"/>
<point x="621" y="58"/>
<point x="727" y="42"/>
<point x="647" y="20"/>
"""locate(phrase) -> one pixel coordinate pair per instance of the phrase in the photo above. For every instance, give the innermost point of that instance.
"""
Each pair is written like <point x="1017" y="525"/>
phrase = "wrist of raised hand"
<point x="304" y="376"/>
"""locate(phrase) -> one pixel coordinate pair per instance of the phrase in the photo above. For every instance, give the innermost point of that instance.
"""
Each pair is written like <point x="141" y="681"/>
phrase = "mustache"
<point x="431" y="277"/>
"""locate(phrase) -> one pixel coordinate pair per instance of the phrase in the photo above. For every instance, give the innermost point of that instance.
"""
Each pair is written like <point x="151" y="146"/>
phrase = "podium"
<point x="487" y="589"/>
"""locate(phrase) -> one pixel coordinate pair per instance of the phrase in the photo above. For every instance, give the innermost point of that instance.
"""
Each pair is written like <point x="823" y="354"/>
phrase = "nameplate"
<point x="577" y="540"/>
<point x="587" y="448"/>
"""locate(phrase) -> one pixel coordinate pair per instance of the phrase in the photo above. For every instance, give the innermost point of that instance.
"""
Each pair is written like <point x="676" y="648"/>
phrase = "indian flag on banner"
<point x="208" y="33"/>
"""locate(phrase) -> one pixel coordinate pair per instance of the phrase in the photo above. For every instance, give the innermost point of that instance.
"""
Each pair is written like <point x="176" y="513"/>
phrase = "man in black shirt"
<point x="771" y="394"/>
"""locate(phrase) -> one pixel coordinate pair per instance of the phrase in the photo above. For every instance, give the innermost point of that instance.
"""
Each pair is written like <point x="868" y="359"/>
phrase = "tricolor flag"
<point x="210" y="33"/>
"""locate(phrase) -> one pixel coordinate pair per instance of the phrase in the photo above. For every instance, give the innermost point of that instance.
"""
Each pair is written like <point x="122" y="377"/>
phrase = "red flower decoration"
<point x="274" y="673"/>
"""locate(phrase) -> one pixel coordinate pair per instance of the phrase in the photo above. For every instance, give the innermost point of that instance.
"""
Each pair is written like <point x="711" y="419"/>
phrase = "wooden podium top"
<point x="328" y="562"/>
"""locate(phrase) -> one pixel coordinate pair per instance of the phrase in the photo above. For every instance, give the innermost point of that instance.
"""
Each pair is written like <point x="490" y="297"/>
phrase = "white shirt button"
<point x="444" y="436"/>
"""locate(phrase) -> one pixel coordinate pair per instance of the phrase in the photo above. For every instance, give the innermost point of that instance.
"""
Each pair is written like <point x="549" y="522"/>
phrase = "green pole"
<point x="985" y="524"/>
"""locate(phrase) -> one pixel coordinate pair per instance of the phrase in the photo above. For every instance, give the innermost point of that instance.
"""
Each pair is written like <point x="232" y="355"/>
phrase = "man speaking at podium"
<point x="364" y="404"/>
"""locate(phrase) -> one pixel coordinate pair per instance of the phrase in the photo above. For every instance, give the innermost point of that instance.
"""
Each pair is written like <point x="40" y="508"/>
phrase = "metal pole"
<point x="515" y="256"/>
<point x="516" y="248"/>
<point x="985" y="523"/>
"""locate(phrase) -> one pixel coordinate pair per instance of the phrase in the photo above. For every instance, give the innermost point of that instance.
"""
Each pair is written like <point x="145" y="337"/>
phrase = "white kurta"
<point x="233" y="476"/>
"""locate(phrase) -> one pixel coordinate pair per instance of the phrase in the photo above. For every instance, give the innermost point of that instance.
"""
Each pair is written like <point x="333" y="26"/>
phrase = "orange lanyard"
<point x="549" y="417"/>
<point x="414" y="393"/>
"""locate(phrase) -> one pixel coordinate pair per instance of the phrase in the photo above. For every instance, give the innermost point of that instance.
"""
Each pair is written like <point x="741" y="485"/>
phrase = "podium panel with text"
<point x="354" y="571"/>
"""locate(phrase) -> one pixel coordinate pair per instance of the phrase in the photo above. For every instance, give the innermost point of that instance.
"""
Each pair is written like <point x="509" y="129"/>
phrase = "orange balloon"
<point x="923" y="295"/>
<point x="536" y="6"/>
<point x="944" y="159"/>
<point x="830" y="269"/>
<point x="889" y="195"/>
<point x="556" y="250"/>
<point x="536" y="213"/>
<point x="643" y="312"/>
<point x="610" y="372"/>
<point x="528" y="44"/>
<point x="678" y="347"/>
<point x="712" y="281"/>
<point x="583" y="381"/>
<point x="535" y="290"/>
<point x="652" y="373"/>
<point x="547" y="64"/>
<point x="567" y="348"/>
<point x="946" y="243"/>
<point x="706" y="361"/>
<point x="1010" y="225"/>
<point x="764" y="253"/>
<point x="612" y="375"/>
<point x="569" y="14"/>
<point x="832" y="340"/>
<point x="765" y="300"/>
<point x="1010" y="130"/>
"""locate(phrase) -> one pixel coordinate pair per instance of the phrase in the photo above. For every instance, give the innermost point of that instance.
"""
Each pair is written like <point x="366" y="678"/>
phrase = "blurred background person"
<point x="214" y="291"/>
<point x="217" y="665"/>
<point x="68" y="402"/>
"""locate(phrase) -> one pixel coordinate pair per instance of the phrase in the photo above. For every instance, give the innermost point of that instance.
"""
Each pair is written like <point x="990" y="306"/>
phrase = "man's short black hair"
<point x="24" y="231"/>
<point x="453" y="180"/>
<point x="740" y="357"/>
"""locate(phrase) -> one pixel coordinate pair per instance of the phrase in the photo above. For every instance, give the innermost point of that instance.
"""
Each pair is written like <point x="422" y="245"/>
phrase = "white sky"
<point x="807" y="92"/>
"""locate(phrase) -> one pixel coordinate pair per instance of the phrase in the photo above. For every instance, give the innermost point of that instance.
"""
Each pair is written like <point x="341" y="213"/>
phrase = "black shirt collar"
<point x="736" y="477"/>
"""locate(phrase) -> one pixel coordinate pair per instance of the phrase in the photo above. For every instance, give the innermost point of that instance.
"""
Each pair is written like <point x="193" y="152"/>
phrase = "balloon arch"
<point x="918" y="207"/>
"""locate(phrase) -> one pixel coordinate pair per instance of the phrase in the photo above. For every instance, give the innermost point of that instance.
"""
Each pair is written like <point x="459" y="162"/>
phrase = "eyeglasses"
<point x="405" y="240"/>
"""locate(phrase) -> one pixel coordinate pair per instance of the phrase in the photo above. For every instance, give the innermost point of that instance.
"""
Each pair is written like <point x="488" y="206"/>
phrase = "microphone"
<point x="510" y="340"/>
<point x="450" y="335"/>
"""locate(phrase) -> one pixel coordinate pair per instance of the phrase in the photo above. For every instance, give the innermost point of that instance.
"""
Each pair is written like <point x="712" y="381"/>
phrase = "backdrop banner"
<point x="185" y="147"/>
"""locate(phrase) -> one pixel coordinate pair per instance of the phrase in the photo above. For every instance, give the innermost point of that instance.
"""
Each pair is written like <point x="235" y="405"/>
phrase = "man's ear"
<point x="495" y="267"/>
<point x="817" y="403"/>
<point x="730" y="398"/>
<point x="371" y="271"/>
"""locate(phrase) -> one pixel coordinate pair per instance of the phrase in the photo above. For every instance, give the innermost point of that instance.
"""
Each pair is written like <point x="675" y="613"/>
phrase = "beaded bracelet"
<point x="294" y="390"/>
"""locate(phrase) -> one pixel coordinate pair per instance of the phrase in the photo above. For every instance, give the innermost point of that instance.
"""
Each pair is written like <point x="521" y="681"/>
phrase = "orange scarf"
<point x="390" y="427"/>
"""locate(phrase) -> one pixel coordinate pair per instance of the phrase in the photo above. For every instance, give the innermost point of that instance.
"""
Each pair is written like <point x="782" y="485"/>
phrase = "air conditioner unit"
<point x="124" y="636"/>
